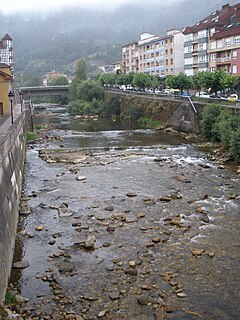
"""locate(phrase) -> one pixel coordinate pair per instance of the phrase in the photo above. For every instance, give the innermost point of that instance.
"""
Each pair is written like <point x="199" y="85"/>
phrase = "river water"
<point x="126" y="224"/>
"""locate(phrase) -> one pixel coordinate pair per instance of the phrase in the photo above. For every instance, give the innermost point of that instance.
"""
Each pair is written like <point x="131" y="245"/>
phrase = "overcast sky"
<point x="8" y="6"/>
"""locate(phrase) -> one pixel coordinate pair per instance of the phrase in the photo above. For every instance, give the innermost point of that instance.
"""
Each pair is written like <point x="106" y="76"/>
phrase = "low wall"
<point x="176" y="113"/>
<point x="12" y="156"/>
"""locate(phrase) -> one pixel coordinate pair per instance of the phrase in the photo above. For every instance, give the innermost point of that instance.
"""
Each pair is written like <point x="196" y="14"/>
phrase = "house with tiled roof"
<point x="214" y="42"/>
<point x="6" y="50"/>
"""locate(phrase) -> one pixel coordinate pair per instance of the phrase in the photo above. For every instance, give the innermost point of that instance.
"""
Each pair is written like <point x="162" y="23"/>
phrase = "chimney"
<point x="225" y="6"/>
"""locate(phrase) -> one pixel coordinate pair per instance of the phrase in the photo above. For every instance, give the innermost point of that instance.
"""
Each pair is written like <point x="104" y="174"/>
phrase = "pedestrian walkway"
<point x="5" y="121"/>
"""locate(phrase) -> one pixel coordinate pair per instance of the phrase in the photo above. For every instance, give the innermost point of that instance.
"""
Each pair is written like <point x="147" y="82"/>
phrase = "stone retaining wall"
<point x="12" y="156"/>
<point x="176" y="113"/>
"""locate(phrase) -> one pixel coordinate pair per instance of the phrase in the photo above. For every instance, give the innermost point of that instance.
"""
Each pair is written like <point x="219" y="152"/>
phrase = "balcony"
<point x="223" y="60"/>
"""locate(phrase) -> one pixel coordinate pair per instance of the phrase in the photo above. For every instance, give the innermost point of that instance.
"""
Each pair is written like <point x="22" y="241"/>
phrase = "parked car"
<point x="202" y="94"/>
<point x="217" y="96"/>
<point x="233" y="97"/>
<point x="185" y="94"/>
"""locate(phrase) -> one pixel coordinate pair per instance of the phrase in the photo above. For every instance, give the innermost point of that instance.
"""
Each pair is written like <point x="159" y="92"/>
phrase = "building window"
<point x="212" y="69"/>
<point x="228" y="41"/>
<point x="171" y="51"/>
<point x="202" y="34"/>
<point x="234" y="69"/>
<point x="200" y="47"/>
<point x="171" y="61"/>
<point x="212" y="31"/>
<point x="166" y="71"/>
<point x="172" y="72"/>
<point x="166" y="42"/>
<point x="202" y="59"/>
<point x="234" y="54"/>
<point x="166" y="62"/>
<point x="237" y="40"/>
<point x="188" y="37"/>
<point x="219" y="44"/>
<point x="166" y="51"/>
<point x="213" y="57"/>
<point x="188" y="49"/>
<point x="213" y="44"/>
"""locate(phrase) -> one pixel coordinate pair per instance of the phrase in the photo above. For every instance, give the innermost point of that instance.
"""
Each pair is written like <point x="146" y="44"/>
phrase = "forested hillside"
<point x="55" y="40"/>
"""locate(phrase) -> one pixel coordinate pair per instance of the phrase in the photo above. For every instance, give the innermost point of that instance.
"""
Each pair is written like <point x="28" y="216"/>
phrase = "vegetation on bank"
<point x="222" y="126"/>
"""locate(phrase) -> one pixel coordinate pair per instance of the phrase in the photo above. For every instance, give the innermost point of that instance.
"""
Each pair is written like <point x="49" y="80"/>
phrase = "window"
<point x="189" y="37"/>
<point x="166" y="71"/>
<point x="213" y="44"/>
<point x="166" y="42"/>
<point x="237" y="40"/>
<point x="213" y="57"/>
<point x="234" y="54"/>
<point x="202" y="34"/>
<point x="228" y="41"/>
<point x="171" y="51"/>
<point x="219" y="44"/>
<point x="166" y="61"/>
<point x="188" y="49"/>
<point x="202" y="59"/>
<point x="212" y="69"/>
<point x="171" y="61"/>
<point x="212" y="31"/>
<point x="166" y="51"/>
<point x="200" y="47"/>
<point x="234" y="68"/>
<point x="172" y="72"/>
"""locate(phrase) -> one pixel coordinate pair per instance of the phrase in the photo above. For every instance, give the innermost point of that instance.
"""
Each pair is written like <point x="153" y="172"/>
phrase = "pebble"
<point x="144" y="300"/>
<point x="181" y="295"/>
<point x="102" y="314"/>
<point x="130" y="271"/>
<point x="21" y="264"/>
<point x="81" y="178"/>
<point x="114" y="295"/>
<point x="39" y="228"/>
<point x="131" y="194"/>
<point x="109" y="208"/>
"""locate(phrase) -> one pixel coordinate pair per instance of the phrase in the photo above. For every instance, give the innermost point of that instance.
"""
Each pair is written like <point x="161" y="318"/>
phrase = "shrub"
<point x="209" y="116"/>
<point x="235" y="145"/>
<point x="148" y="122"/>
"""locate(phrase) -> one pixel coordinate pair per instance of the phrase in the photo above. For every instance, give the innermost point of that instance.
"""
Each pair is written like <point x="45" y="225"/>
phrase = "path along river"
<point x="126" y="224"/>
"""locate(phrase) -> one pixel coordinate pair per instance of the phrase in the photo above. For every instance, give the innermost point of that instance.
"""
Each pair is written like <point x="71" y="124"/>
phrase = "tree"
<point x="142" y="80"/>
<point x="180" y="81"/>
<point x="59" y="81"/>
<point x="81" y="75"/>
<point x="88" y="90"/>
<point x="198" y="80"/>
<point x="209" y="116"/>
<point x="107" y="79"/>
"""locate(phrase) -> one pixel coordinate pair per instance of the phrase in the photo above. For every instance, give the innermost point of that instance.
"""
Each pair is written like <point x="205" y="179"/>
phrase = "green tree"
<point x="81" y="75"/>
<point x="142" y="80"/>
<point x="88" y="90"/>
<point x="107" y="79"/>
<point x="180" y="81"/>
<point x="235" y="145"/>
<point x="77" y="107"/>
<point x="198" y="80"/>
<point x="209" y="116"/>
<point x="59" y="81"/>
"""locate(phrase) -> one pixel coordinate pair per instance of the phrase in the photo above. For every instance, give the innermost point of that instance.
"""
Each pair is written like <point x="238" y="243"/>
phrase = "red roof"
<point x="217" y="19"/>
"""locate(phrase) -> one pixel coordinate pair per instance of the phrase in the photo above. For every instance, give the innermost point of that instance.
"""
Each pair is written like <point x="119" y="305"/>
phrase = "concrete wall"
<point x="12" y="156"/>
<point x="176" y="113"/>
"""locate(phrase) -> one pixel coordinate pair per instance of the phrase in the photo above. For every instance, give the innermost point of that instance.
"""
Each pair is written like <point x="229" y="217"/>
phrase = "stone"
<point x="21" y="264"/>
<point x="109" y="208"/>
<point x="106" y="244"/>
<point x="176" y="196"/>
<point x="102" y="313"/>
<point x="110" y="229"/>
<point x="39" y="228"/>
<point x="181" y="295"/>
<point x="156" y="239"/>
<point x="131" y="194"/>
<point x="197" y="252"/>
<point x="21" y="299"/>
<point x="132" y="263"/>
<point x="52" y="242"/>
<point x="160" y="314"/>
<point x="81" y="178"/>
<point x="90" y="242"/>
<point x="114" y="295"/>
<point x="131" y="271"/>
<point x="210" y="254"/>
<point x="144" y="300"/>
<point x="64" y="212"/>
<point x="183" y="179"/>
<point x="165" y="199"/>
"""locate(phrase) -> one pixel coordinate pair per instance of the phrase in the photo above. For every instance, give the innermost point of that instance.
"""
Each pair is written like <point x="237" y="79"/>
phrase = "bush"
<point x="77" y="107"/>
<point x="235" y="145"/>
<point x="209" y="116"/>
<point x="148" y="122"/>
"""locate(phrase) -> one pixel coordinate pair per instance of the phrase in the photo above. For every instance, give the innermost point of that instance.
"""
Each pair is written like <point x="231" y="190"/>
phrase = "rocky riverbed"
<point x="136" y="232"/>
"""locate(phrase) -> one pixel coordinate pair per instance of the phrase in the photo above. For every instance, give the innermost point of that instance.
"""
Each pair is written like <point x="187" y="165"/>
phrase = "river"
<point x="123" y="223"/>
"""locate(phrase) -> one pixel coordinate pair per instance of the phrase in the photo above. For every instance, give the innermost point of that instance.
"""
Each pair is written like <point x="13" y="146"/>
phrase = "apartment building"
<point x="156" y="55"/>
<point x="224" y="46"/>
<point x="201" y="39"/>
<point x="6" y="50"/>
<point x="130" y="57"/>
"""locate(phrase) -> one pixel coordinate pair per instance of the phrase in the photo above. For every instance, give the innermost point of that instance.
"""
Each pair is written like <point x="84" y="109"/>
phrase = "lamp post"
<point x="11" y="98"/>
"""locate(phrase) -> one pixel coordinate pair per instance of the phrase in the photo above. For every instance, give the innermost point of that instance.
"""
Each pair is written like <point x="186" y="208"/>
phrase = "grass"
<point x="10" y="298"/>
<point x="148" y="123"/>
<point x="31" y="136"/>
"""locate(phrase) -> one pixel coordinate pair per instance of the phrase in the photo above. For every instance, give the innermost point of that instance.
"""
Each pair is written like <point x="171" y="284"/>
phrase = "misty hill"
<point x="56" y="40"/>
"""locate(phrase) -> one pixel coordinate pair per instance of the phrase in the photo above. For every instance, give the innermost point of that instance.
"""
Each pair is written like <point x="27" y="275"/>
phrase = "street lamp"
<point x="11" y="98"/>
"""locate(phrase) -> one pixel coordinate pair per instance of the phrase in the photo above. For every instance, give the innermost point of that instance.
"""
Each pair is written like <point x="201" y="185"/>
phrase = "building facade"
<point x="5" y="86"/>
<point x="155" y="55"/>
<point x="213" y="42"/>
<point x="6" y="51"/>
<point x="51" y="76"/>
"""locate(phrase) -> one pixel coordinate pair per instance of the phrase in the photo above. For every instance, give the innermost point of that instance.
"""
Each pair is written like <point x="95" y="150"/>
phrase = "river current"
<point x="124" y="223"/>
